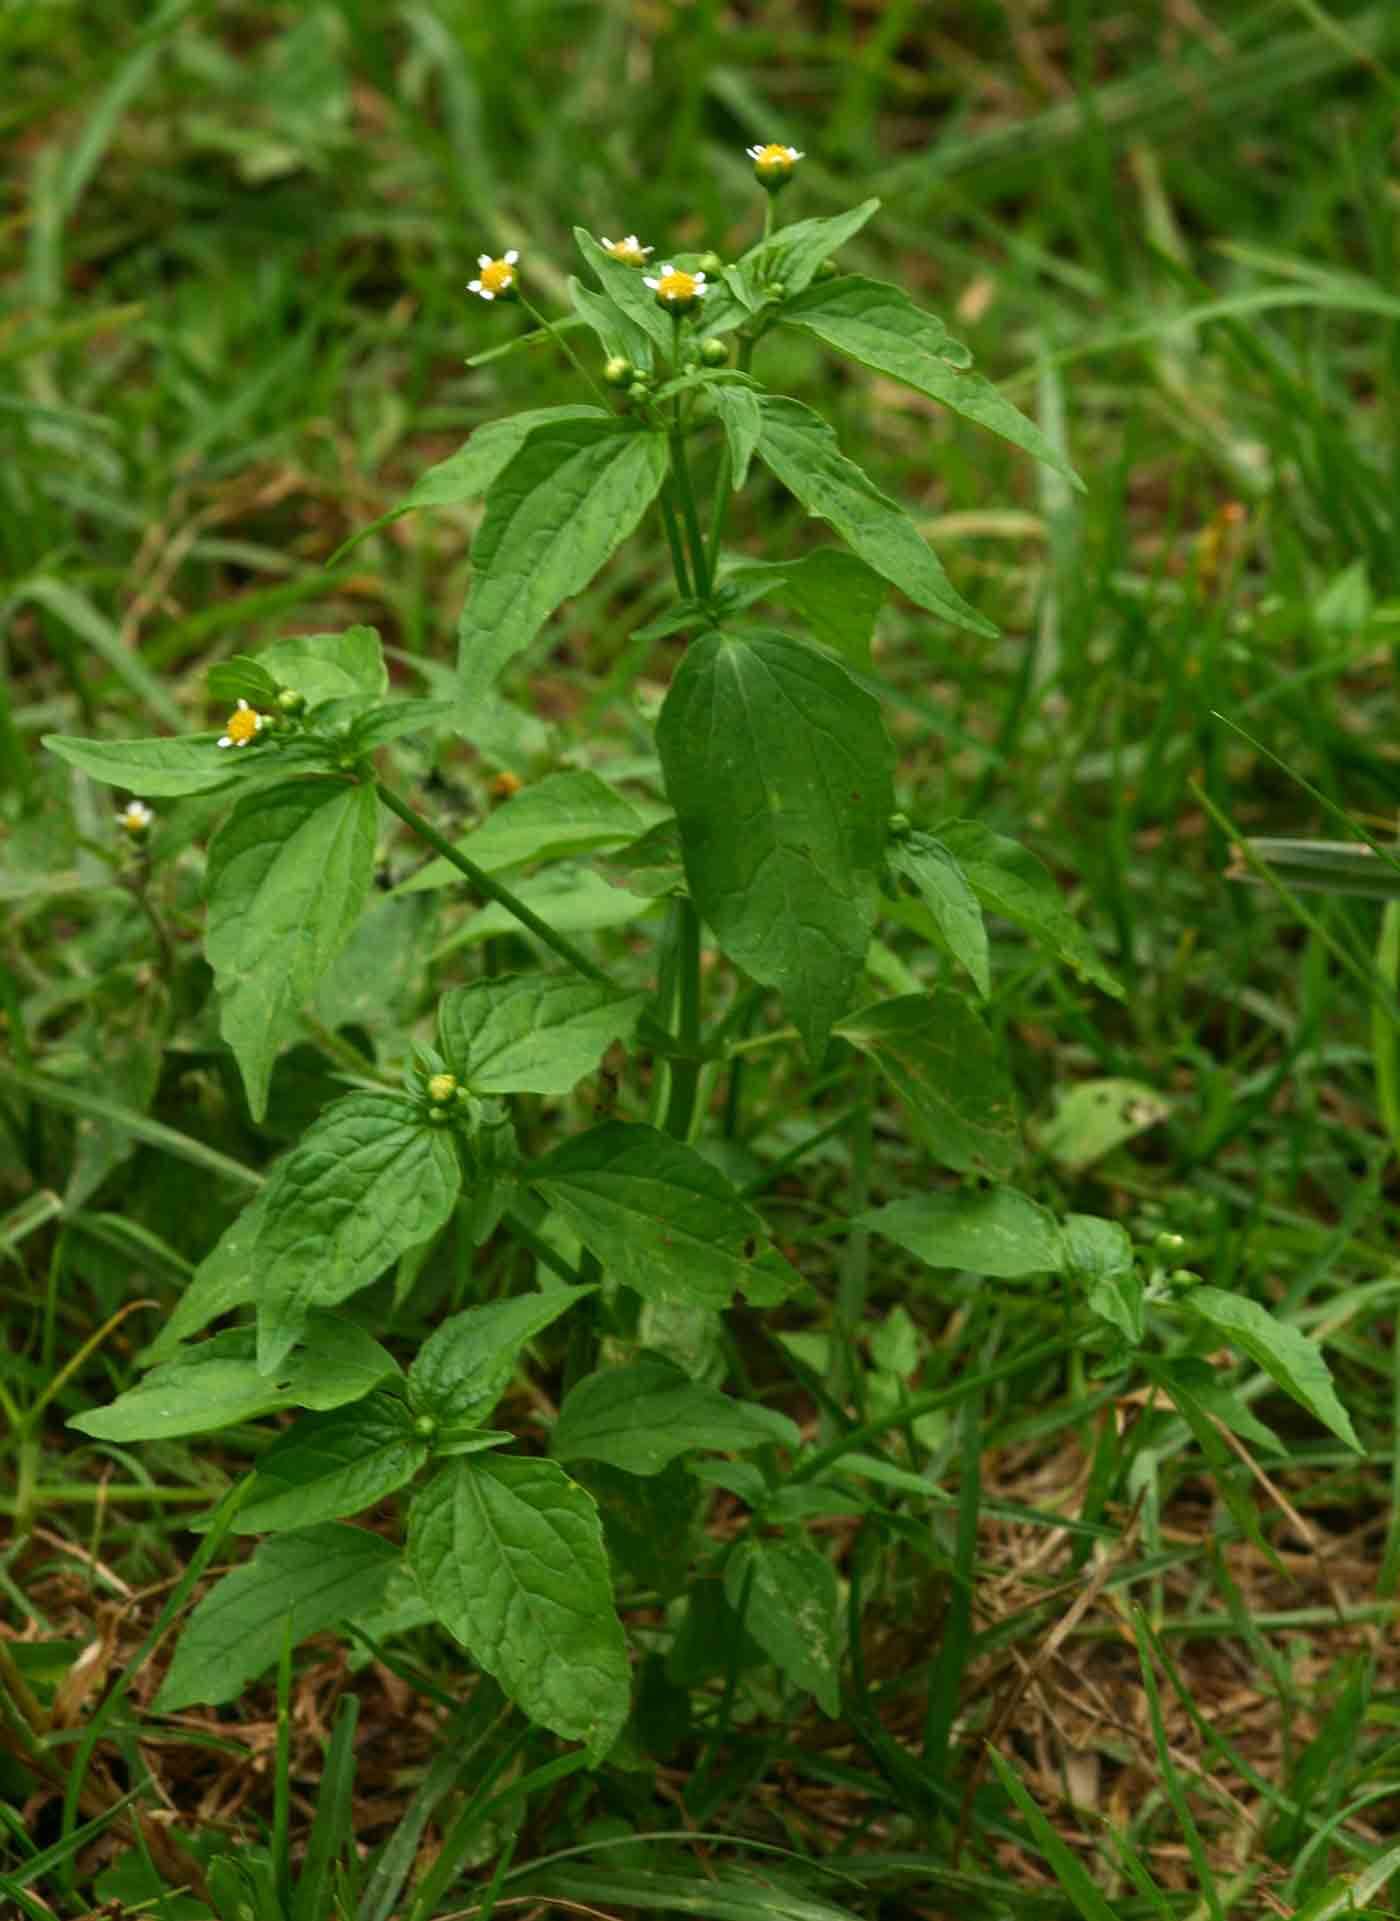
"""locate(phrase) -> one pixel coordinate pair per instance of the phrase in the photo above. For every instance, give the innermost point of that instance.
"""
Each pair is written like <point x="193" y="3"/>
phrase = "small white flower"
<point x="136" y="818"/>
<point x="630" y="251"/>
<point x="242" y="725"/>
<point x="774" y="155"/>
<point x="497" y="278"/>
<point x="677" y="290"/>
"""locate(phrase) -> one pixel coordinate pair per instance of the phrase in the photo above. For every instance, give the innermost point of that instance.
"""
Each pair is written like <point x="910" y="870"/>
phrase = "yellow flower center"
<point x="627" y="253"/>
<point x="241" y="726"/>
<point x="774" y="155"/>
<point x="677" y="286"/>
<point x="498" y="277"/>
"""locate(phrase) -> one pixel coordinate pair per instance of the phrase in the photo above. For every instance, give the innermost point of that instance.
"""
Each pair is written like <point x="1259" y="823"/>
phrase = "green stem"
<point x="492" y="889"/>
<point x="674" y="542"/>
<point x="844" y="1374"/>
<point x="1383" y="1036"/>
<point x="681" y="469"/>
<point x="685" y="1071"/>
<point x="562" y="344"/>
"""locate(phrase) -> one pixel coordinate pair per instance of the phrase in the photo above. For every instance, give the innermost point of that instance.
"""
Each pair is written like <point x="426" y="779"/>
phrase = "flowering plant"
<point x="765" y="840"/>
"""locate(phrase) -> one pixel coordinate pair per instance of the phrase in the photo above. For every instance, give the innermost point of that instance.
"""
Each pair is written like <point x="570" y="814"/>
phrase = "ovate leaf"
<point x="793" y="254"/>
<point x="333" y="1464"/>
<point x="779" y="769"/>
<point x="838" y="597"/>
<point x="950" y="1073"/>
<point x="803" y="452"/>
<point x="316" y="1577"/>
<point x="1098" y="1254"/>
<point x="465" y="1366"/>
<point x="567" y="813"/>
<point x="880" y="326"/>
<point x="1009" y="880"/>
<point x="1286" y="1355"/>
<point x="532" y="1033"/>
<point x="627" y="290"/>
<point x="742" y="422"/>
<point x="330" y="666"/>
<point x="947" y="894"/>
<point x="217" y="1384"/>
<point x="1094" y="1117"/>
<point x="658" y="1216"/>
<point x="994" y="1231"/>
<point x="787" y="1596"/>
<point x="643" y="1417"/>
<point x="563" y="505"/>
<point x="223" y="1280"/>
<point x="288" y="874"/>
<point x="509" y="1554"/>
<point x="368" y="1180"/>
<point x="157" y="769"/>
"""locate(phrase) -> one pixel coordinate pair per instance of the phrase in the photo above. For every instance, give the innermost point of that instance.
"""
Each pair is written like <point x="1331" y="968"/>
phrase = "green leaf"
<point x="838" y="596"/>
<point x="532" y="1033"/>
<point x="288" y="874"/>
<point x="779" y="769"/>
<point x="222" y="1281"/>
<point x="568" y="813"/>
<point x="332" y="1464"/>
<point x="1286" y="1355"/>
<point x="1009" y="880"/>
<point x="1099" y="1255"/>
<point x="995" y="1231"/>
<point x="742" y="422"/>
<point x="803" y="452"/>
<point x="626" y="288"/>
<point x="658" y="1215"/>
<point x="1090" y="1120"/>
<point x="787" y="1597"/>
<point x="619" y="335"/>
<point x="397" y="718"/>
<point x="367" y="1181"/>
<point x="1201" y="1381"/>
<point x="218" y="1384"/>
<point x="330" y="666"/>
<point x="953" y="906"/>
<point x="949" y="1072"/>
<point x="156" y="769"/>
<point x="880" y="326"/>
<point x="641" y="1418"/>
<point x="509" y="1553"/>
<point x="574" y="900"/>
<point x="566" y="502"/>
<point x="793" y="254"/>
<point x="465" y="1366"/>
<point x="295" y="1584"/>
<point x="242" y="678"/>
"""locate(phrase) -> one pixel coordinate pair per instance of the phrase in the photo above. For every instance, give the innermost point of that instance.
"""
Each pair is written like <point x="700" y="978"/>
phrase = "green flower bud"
<point x="639" y="391"/>
<point x="898" y="826"/>
<point x="619" y="372"/>
<point x="714" y="352"/>
<point x="442" y="1089"/>
<point x="291" y="700"/>
<point x="710" y="263"/>
<point x="828" y="270"/>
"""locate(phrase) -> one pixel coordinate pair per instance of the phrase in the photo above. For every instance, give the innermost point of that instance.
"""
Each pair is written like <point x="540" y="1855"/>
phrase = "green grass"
<point x="235" y="258"/>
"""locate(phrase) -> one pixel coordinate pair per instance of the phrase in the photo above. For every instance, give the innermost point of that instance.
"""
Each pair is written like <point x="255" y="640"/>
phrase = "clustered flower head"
<point x="774" y="164"/>
<point x="136" y="818"/>
<point x="243" y="724"/>
<point x="497" y="278"/>
<point x="630" y="251"/>
<point x="676" y="290"/>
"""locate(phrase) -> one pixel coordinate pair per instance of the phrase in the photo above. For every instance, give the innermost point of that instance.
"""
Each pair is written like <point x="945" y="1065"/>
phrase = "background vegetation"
<point x="234" y="256"/>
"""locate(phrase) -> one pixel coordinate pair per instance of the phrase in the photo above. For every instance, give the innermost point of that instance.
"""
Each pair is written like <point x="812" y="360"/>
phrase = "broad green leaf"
<point x="368" y="1180"/>
<point x="803" y="452"/>
<point x="532" y="1033"/>
<point x="947" y="894"/>
<point x="788" y="1598"/>
<point x="838" y="596"/>
<point x="779" y="769"/>
<point x="795" y="252"/>
<point x="658" y="1215"/>
<point x="880" y="326"/>
<point x="1009" y="880"/>
<point x="641" y="1418"/>
<point x="465" y="1366"/>
<point x="242" y="678"/>
<point x="619" y="335"/>
<point x="217" y="1384"/>
<point x="994" y="1231"/>
<point x="376" y="975"/>
<point x="222" y="1281"/>
<point x="397" y="718"/>
<point x="509" y="1552"/>
<point x="1286" y="1355"/>
<point x="1090" y="1120"/>
<point x="574" y="900"/>
<point x="564" y="504"/>
<point x="742" y="422"/>
<point x="949" y="1071"/>
<point x="648" y="1524"/>
<point x="1099" y="1255"/>
<point x="652" y="865"/>
<point x="288" y="874"/>
<point x="568" y="813"/>
<point x="1205" y="1383"/>
<point x="316" y="1577"/>
<point x="626" y="288"/>
<point x="157" y="769"/>
<point x="333" y="1464"/>
<point x="330" y="666"/>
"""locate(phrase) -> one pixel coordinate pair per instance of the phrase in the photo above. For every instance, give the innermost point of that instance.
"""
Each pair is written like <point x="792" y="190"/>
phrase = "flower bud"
<point x="291" y="700"/>
<point x="773" y="165"/>
<point x="619" y="372"/>
<point x="898" y="826"/>
<point x="710" y="263"/>
<point x="442" y="1089"/>
<point x="828" y="270"/>
<point x="1168" y="1243"/>
<point x="714" y="352"/>
<point x="425" y="1427"/>
<point x="639" y="391"/>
